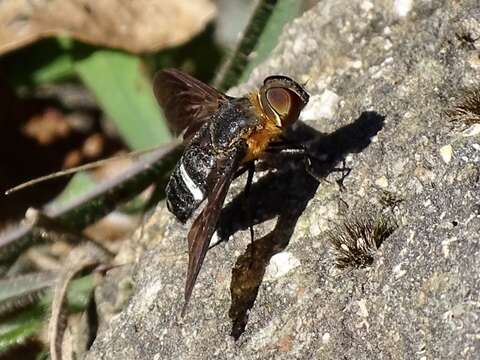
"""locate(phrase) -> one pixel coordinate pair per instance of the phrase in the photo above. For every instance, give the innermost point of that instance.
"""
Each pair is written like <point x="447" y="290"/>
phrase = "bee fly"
<point x="223" y="137"/>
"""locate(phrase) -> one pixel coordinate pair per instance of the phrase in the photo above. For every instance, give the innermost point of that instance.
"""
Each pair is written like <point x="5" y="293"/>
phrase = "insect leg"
<point x="287" y="147"/>
<point x="241" y="171"/>
<point x="250" y="167"/>
<point x="248" y="187"/>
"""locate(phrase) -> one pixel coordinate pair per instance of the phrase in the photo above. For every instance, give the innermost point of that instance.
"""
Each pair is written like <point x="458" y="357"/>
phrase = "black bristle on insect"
<point x="467" y="108"/>
<point x="355" y="242"/>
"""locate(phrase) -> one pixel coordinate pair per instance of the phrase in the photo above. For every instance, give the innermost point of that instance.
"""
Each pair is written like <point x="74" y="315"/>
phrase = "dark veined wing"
<point x="186" y="101"/>
<point x="205" y="224"/>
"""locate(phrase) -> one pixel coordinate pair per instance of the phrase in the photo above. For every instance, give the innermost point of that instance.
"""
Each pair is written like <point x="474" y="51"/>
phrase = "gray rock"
<point x="381" y="75"/>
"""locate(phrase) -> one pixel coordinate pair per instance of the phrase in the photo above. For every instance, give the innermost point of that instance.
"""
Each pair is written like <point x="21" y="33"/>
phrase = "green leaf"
<point x="79" y="292"/>
<point x="125" y="94"/>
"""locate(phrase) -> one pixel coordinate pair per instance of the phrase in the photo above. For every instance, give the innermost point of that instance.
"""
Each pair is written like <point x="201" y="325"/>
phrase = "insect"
<point x="223" y="137"/>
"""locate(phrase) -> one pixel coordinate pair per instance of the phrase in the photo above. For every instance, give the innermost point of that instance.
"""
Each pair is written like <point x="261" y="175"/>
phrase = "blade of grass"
<point x="78" y="295"/>
<point x="17" y="329"/>
<point x="122" y="88"/>
<point x="259" y="38"/>
<point x="125" y="94"/>
<point x="283" y="13"/>
<point x="78" y="185"/>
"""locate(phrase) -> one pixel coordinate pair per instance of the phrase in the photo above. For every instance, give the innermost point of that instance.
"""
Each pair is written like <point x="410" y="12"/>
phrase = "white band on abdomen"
<point x="191" y="186"/>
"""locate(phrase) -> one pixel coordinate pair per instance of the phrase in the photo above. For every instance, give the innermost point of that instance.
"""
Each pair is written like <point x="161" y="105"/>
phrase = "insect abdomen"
<point x="186" y="188"/>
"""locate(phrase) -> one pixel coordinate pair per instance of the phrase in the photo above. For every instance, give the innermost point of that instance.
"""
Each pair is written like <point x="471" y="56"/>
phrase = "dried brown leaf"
<point x="136" y="26"/>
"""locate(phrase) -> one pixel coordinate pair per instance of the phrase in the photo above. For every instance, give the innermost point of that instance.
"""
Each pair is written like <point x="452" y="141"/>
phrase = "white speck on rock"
<point x="387" y="61"/>
<point x="326" y="338"/>
<point x="388" y="45"/>
<point x="398" y="271"/>
<point x="445" y="246"/>
<point x="472" y="130"/>
<point x="264" y="336"/>
<point x="411" y="237"/>
<point x="402" y="7"/>
<point x="382" y="182"/>
<point x="150" y="294"/>
<point x="362" y="308"/>
<point x="300" y="45"/>
<point x="366" y="6"/>
<point x="280" y="264"/>
<point x="446" y="153"/>
<point x="321" y="106"/>
<point x="315" y="229"/>
<point x="356" y="64"/>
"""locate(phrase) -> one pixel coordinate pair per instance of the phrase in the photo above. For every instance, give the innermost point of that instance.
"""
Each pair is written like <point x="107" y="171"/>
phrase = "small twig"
<point x="94" y="205"/>
<point x="74" y="170"/>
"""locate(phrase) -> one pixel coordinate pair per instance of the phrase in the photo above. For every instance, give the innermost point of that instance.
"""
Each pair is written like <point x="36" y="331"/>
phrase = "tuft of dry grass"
<point x="355" y="242"/>
<point x="467" y="108"/>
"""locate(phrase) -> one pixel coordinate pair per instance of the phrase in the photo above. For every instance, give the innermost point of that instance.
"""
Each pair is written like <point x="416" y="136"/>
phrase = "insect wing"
<point x="186" y="101"/>
<point x="204" y="225"/>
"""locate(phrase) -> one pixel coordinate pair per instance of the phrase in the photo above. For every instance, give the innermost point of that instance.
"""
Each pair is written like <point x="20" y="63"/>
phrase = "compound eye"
<point x="280" y="100"/>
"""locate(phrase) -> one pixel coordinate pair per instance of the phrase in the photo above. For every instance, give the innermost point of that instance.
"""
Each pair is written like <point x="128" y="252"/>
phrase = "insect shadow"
<point x="285" y="194"/>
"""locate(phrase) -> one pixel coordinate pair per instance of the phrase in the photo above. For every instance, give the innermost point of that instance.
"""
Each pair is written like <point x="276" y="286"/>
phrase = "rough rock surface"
<point x="381" y="74"/>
